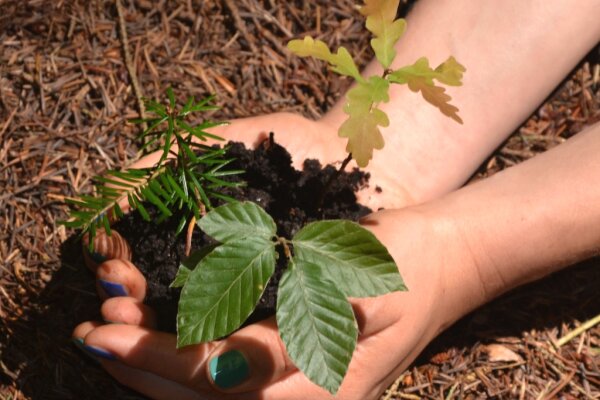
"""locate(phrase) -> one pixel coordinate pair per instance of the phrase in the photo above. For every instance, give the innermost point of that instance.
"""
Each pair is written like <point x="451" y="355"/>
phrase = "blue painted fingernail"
<point x="229" y="369"/>
<point x="113" y="289"/>
<point x="92" y="351"/>
<point x="99" y="352"/>
<point x="97" y="257"/>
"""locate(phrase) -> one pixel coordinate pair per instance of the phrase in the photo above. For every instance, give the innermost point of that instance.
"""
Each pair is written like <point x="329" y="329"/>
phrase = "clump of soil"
<point x="290" y="196"/>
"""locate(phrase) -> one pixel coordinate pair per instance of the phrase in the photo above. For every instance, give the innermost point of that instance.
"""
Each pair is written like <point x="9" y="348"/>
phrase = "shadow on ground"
<point x="38" y="356"/>
<point x="562" y="298"/>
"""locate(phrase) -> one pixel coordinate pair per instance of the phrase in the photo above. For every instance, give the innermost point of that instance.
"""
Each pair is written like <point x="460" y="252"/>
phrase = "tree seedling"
<point x="326" y="261"/>
<point x="188" y="176"/>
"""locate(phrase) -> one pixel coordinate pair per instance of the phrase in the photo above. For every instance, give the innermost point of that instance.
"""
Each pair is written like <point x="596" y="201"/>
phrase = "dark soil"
<point x="290" y="196"/>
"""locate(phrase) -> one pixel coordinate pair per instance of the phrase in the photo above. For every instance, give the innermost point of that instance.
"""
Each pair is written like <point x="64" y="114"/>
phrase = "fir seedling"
<point x="188" y="176"/>
<point x="327" y="261"/>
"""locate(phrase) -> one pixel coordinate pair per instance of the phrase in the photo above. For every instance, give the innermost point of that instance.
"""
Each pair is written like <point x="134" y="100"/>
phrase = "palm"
<point x="305" y="138"/>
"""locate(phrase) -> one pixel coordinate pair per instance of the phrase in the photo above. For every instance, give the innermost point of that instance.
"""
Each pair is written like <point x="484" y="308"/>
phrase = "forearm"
<point x="525" y="222"/>
<point x="516" y="53"/>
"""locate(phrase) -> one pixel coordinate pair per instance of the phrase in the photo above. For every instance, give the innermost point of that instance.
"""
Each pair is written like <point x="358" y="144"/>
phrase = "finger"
<point x="105" y="247"/>
<point x="249" y="359"/>
<point x="117" y="278"/>
<point x="128" y="310"/>
<point x="84" y="328"/>
<point x="153" y="386"/>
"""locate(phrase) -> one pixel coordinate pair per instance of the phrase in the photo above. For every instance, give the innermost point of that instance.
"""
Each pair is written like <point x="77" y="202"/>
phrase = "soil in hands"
<point x="290" y="196"/>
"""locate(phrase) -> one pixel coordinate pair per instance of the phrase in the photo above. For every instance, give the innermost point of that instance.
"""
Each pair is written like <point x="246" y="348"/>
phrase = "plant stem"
<point x="331" y="179"/>
<point x="286" y="249"/>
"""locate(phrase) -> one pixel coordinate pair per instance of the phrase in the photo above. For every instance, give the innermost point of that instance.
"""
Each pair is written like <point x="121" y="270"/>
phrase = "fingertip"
<point x="117" y="278"/>
<point x="128" y="310"/>
<point x="249" y="359"/>
<point x="105" y="247"/>
<point x="84" y="328"/>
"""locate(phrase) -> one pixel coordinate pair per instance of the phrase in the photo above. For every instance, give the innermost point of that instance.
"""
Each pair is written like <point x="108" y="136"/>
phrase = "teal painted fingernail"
<point x="113" y="289"/>
<point x="229" y="369"/>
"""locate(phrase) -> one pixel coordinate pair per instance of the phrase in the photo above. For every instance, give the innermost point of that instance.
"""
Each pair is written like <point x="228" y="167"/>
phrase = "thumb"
<point x="248" y="360"/>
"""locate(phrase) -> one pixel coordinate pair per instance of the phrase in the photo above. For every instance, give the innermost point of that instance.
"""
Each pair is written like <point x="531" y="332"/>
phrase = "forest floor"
<point x="65" y="98"/>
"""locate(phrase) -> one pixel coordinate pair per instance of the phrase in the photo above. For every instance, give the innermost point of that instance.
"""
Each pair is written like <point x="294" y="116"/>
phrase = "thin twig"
<point x="188" y="238"/>
<point x="129" y="64"/>
<point x="579" y="330"/>
<point x="240" y="25"/>
<point x="331" y="179"/>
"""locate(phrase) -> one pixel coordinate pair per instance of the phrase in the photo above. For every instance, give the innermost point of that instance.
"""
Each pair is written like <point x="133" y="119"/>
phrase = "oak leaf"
<point x="387" y="31"/>
<point x="340" y="62"/>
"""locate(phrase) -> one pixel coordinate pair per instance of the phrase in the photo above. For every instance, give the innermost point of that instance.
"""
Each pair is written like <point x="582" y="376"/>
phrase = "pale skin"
<point x="456" y="249"/>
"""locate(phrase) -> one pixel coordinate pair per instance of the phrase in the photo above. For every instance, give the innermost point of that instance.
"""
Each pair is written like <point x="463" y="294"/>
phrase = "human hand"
<point x="393" y="329"/>
<point x="142" y="351"/>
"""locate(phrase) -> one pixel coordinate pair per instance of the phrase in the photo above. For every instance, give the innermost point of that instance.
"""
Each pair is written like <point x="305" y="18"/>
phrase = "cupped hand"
<point x="317" y="139"/>
<point x="393" y="330"/>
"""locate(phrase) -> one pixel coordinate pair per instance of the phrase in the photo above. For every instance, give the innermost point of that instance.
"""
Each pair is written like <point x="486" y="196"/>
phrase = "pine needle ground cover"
<point x="64" y="90"/>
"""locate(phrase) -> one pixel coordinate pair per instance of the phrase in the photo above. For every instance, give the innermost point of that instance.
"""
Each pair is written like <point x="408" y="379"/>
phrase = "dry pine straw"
<point x="65" y="94"/>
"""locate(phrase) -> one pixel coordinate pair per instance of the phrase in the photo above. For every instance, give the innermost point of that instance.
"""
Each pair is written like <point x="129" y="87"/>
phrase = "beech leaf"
<point x="341" y="62"/>
<point x="352" y="256"/>
<point x="238" y="220"/>
<point x="221" y="292"/>
<point x="387" y="31"/>
<point x="316" y="324"/>
<point x="189" y="264"/>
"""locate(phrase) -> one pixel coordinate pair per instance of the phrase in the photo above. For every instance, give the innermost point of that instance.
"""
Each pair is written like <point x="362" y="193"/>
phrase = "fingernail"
<point x="95" y="256"/>
<point x="113" y="289"/>
<point x="93" y="351"/>
<point x="99" y="352"/>
<point x="229" y="369"/>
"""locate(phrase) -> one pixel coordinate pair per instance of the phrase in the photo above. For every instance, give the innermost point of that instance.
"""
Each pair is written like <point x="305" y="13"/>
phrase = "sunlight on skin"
<point x="428" y="157"/>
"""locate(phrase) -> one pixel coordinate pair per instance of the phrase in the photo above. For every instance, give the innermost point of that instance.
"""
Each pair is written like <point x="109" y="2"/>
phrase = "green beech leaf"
<point x="341" y="62"/>
<point x="234" y="221"/>
<point x="387" y="31"/>
<point x="316" y="324"/>
<point x="352" y="256"/>
<point x="189" y="264"/>
<point x="183" y="273"/>
<point x="221" y="292"/>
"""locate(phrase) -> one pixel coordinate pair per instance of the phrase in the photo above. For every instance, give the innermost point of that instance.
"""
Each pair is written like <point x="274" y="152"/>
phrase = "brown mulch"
<point x="65" y="96"/>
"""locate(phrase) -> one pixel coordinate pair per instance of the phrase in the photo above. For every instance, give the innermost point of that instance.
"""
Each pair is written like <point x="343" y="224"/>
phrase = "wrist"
<point x="433" y="260"/>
